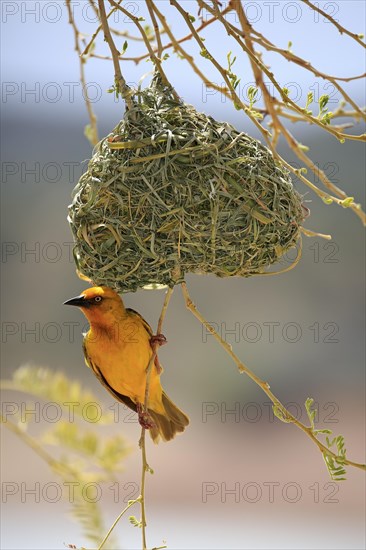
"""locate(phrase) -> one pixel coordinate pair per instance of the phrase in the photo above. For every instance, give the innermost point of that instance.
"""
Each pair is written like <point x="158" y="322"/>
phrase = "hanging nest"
<point x="172" y="191"/>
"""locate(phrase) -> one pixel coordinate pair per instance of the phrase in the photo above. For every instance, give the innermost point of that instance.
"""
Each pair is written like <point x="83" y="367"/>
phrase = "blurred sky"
<point x="322" y="299"/>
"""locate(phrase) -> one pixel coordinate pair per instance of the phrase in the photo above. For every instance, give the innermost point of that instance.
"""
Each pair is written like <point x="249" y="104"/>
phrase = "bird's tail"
<point x="167" y="425"/>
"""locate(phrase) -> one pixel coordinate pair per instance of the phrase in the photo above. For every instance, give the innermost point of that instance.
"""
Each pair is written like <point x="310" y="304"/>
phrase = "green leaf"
<point x="347" y="202"/>
<point x="311" y="412"/>
<point x="309" y="99"/>
<point x="256" y="114"/>
<point x="281" y="414"/>
<point x="326" y="119"/>
<point x="252" y="95"/>
<point x="323" y="115"/>
<point x="204" y="53"/>
<point x="335" y="465"/>
<point x="135" y="522"/>
<point x="323" y="101"/>
<point x="230" y="61"/>
<point x="124" y="47"/>
<point x="149" y="31"/>
<point x="327" y="200"/>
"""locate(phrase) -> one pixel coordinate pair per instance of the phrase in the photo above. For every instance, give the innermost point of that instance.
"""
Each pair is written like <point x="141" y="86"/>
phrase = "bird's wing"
<point x="98" y="373"/>
<point x="146" y="325"/>
<point x="149" y="330"/>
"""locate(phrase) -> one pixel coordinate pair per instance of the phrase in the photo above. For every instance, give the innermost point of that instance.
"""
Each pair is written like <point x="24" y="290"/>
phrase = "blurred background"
<point x="237" y="478"/>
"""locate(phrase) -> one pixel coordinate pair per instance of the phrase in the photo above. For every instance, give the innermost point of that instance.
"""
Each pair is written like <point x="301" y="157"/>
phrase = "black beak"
<point x="78" y="301"/>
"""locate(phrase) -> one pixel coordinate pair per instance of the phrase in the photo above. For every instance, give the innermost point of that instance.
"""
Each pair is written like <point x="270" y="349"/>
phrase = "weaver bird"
<point x="118" y="349"/>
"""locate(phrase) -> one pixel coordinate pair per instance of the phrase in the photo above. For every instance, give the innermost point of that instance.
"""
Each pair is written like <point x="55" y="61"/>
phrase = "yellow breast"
<point x="122" y="353"/>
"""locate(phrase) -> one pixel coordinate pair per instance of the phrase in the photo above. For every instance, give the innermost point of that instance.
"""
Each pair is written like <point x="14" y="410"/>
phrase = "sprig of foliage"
<point x="324" y="115"/>
<point x="252" y="94"/>
<point x="135" y="522"/>
<point x="335" y="464"/>
<point x="335" y="461"/>
<point x="86" y="456"/>
<point x="106" y="454"/>
<point x="309" y="101"/>
<point x="54" y="386"/>
<point x="234" y="79"/>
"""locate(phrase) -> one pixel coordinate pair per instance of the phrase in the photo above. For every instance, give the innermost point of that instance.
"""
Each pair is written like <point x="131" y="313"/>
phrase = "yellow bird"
<point x="118" y="349"/>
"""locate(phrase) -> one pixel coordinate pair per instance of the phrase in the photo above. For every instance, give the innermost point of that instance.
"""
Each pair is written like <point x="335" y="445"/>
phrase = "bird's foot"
<point x="144" y="417"/>
<point x="158" y="339"/>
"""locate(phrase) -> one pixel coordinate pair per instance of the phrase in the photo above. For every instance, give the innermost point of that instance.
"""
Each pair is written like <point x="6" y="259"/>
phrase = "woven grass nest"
<point x="172" y="191"/>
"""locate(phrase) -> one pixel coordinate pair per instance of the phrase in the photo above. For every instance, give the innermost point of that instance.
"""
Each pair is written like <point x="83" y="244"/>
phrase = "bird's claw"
<point x="144" y="417"/>
<point x="158" y="339"/>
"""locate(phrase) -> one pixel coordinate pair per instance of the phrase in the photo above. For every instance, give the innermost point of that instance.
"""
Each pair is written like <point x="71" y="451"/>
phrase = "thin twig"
<point x="120" y="83"/>
<point x="335" y="23"/>
<point x="261" y="383"/>
<point x="87" y="48"/>
<point x="279" y="127"/>
<point x="117" y="32"/>
<point x="142" y="442"/>
<point x="93" y="135"/>
<point x="257" y="71"/>
<point x="130" y="503"/>
<point x="291" y="57"/>
<point x="237" y="6"/>
<point x="157" y="62"/>
<point x="286" y="101"/>
<point x="179" y="49"/>
<point x="156" y="29"/>
<point x="171" y="44"/>
<point x="233" y="95"/>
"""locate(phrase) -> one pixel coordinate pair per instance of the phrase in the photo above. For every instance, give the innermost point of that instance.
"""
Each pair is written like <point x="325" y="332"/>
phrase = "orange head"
<point x="100" y="304"/>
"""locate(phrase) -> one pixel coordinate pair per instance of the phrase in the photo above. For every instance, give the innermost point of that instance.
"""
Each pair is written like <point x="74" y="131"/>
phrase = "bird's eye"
<point x="98" y="299"/>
